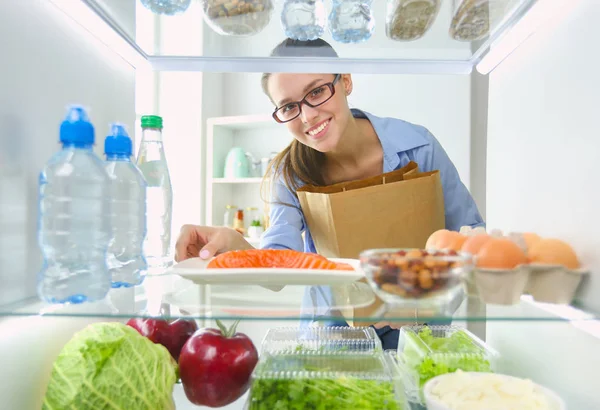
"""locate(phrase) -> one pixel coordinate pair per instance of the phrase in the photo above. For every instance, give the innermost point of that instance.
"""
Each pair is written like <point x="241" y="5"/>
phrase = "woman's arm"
<point x="460" y="207"/>
<point x="286" y="220"/>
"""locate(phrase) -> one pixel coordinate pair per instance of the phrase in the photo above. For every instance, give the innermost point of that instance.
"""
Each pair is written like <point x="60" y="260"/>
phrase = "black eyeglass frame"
<point x="331" y="87"/>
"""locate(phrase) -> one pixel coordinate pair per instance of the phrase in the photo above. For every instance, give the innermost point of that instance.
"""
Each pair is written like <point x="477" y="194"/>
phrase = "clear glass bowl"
<point x="237" y="18"/>
<point x="400" y="275"/>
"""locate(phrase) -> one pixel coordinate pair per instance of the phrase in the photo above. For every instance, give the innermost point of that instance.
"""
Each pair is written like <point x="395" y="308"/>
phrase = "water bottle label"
<point x="153" y="172"/>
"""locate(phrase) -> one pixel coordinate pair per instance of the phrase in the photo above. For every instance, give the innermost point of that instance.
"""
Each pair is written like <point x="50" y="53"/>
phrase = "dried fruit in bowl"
<point x="413" y="273"/>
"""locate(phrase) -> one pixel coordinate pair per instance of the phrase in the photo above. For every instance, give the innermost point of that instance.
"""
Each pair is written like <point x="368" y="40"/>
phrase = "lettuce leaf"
<point x="111" y="366"/>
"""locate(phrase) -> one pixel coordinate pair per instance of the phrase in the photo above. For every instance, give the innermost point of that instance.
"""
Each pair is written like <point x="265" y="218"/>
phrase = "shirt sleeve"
<point x="286" y="220"/>
<point x="460" y="207"/>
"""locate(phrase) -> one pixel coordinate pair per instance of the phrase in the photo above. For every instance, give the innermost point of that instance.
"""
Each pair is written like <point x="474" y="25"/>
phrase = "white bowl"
<point x="556" y="403"/>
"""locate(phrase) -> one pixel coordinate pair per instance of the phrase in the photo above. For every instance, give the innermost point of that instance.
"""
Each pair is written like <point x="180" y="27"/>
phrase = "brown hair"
<point x="297" y="163"/>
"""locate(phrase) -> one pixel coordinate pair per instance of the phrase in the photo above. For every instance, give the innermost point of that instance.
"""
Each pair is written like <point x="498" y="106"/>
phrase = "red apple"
<point x="170" y="334"/>
<point x="215" y="366"/>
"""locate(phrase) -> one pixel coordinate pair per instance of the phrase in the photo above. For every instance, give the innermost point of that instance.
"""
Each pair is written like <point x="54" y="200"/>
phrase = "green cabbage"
<point x="111" y="366"/>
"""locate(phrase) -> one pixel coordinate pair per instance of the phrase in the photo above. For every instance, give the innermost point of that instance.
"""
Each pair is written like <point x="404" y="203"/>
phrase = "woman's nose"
<point x="308" y="114"/>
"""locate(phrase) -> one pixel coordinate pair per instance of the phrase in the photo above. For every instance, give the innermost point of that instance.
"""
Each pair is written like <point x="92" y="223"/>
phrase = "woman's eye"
<point x="288" y="108"/>
<point x="316" y="92"/>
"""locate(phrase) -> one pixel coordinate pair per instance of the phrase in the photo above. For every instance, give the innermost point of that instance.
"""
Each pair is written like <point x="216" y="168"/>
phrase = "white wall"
<point x="542" y="175"/>
<point x="543" y="145"/>
<point x="47" y="63"/>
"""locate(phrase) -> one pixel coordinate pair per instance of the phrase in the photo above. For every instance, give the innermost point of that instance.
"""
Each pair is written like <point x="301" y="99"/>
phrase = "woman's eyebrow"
<point x="308" y="87"/>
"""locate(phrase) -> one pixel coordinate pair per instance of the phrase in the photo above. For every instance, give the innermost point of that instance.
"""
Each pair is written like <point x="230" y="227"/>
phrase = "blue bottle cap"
<point x="77" y="128"/>
<point x="118" y="142"/>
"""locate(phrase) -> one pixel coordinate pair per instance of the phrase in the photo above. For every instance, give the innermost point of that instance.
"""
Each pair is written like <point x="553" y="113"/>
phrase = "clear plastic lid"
<point x="331" y="339"/>
<point x="316" y="380"/>
<point x="428" y="351"/>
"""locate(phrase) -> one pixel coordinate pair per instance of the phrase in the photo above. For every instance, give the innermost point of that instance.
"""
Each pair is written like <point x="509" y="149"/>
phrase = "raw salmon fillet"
<point x="274" y="258"/>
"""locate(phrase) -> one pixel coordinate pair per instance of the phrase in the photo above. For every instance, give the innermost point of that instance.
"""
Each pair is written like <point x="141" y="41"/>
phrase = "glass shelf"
<point x="171" y="296"/>
<point x="185" y="42"/>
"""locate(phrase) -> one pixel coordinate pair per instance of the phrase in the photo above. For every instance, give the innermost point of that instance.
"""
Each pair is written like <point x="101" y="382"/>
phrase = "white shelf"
<point x="256" y="180"/>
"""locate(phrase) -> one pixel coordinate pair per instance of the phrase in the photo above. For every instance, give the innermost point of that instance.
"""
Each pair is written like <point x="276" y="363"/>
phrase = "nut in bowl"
<point x="399" y="275"/>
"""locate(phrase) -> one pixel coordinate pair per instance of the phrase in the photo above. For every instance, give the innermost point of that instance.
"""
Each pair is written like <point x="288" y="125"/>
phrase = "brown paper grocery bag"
<point x="394" y="210"/>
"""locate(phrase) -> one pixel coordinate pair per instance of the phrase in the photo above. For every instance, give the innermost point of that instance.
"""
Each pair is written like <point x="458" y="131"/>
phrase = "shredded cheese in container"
<point x="463" y="391"/>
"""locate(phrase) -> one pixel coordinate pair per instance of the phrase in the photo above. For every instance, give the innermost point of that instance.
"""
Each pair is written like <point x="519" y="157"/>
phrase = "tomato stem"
<point x="227" y="332"/>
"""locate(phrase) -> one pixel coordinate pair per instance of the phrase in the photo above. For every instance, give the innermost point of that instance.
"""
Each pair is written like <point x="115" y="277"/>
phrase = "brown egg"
<point x="553" y="252"/>
<point x="531" y="239"/>
<point x="445" y="239"/>
<point x="474" y="243"/>
<point x="500" y="253"/>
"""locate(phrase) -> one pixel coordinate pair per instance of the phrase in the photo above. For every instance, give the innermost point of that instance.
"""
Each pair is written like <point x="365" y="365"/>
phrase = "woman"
<point x="333" y="143"/>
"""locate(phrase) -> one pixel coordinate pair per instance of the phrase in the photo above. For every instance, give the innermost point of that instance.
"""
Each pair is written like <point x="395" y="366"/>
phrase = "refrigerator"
<point x="515" y="110"/>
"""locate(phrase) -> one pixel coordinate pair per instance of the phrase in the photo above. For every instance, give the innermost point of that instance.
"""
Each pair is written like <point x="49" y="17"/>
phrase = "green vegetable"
<point x="111" y="366"/>
<point x="322" y="382"/>
<point x="323" y="394"/>
<point x="447" y="354"/>
<point x="255" y="222"/>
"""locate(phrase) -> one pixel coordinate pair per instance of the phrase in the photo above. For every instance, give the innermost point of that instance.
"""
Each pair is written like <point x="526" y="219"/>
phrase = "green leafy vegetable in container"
<point x="323" y="394"/>
<point x="429" y="356"/>
<point x="111" y="366"/>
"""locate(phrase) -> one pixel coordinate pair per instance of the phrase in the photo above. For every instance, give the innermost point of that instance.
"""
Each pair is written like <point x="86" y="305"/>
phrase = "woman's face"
<point x="318" y="127"/>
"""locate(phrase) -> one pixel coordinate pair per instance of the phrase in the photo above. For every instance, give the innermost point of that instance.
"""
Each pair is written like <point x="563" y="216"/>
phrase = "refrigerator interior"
<point x="523" y="138"/>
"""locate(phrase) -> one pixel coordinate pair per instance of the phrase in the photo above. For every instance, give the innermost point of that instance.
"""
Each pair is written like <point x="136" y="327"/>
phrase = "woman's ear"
<point x="347" y="82"/>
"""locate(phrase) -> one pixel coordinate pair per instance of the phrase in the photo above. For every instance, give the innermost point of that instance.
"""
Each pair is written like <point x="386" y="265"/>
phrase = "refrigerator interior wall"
<point x="48" y="63"/>
<point x="542" y="176"/>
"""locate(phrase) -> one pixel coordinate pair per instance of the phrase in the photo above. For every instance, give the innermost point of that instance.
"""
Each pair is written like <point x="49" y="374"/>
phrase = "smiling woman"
<point x="332" y="143"/>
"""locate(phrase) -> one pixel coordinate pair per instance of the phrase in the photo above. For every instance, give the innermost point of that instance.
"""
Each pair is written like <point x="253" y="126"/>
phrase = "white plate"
<point x="194" y="269"/>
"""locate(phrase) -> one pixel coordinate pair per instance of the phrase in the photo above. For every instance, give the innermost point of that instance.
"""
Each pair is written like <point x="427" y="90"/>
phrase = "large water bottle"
<point x="74" y="217"/>
<point x="159" y="195"/>
<point x="303" y="19"/>
<point x="126" y="261"/>
<point x="166" y="7"/>
<point x="351" y="21"/>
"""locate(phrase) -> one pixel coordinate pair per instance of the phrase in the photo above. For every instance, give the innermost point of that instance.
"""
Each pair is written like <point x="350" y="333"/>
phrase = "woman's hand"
<point x="207" y="241"/>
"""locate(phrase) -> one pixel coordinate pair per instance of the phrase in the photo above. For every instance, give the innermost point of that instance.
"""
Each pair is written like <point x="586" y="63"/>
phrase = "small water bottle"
<point x="126" y="261"/>
<point x="166" y="7"/>
<point x="152" y="163"/>
<point x="351" y="21"/>
<point x="303" y="19"/>
<point x="74" y="218"/>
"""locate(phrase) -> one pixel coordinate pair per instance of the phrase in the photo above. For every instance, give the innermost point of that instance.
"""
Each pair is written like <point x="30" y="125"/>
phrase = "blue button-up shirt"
<point x="402" y="142"/>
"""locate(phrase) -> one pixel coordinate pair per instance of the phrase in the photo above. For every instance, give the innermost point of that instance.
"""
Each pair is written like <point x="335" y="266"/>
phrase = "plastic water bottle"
<point x="166" y="7"/>
<point x="126" y="261"/>
<point x="303" y="19"/>
<point x="74" y="219"/>
<point x="159" y="195"/>
<point x="351" y="21"/>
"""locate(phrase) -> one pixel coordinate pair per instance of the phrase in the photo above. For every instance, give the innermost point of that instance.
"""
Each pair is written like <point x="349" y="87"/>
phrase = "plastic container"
<point x="467" y="379"/>
<point x="152" y="162"/>
<point x="408" y="20"/>
<point x="473" y="19"/>
<point x="126" y="260"/>
<point x="166" y="7"/>
<point x="237" y="17"/>
<point x="344" y="381"/>
<point x="74" y="217"/>
<point x="428" y="351"/>
<point x="303" y="19"/>
<point x="335" y="338"/>
<point x="416" y="277"/>
<point x="501" y="286"/>
<point x="351" y="21"/>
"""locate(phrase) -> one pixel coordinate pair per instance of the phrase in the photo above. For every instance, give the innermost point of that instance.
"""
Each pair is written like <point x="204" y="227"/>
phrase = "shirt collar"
<point x="396" y="136"/>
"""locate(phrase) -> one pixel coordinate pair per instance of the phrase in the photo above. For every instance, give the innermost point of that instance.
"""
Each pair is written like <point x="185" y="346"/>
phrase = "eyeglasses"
<point x="313" y="98"/>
